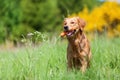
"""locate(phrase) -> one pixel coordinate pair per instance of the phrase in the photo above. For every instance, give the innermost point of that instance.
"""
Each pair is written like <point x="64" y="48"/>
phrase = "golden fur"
<point x="78" y="50"/>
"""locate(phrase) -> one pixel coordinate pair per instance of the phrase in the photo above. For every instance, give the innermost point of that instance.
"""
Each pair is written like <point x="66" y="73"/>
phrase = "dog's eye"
<point x="72" y="22"/>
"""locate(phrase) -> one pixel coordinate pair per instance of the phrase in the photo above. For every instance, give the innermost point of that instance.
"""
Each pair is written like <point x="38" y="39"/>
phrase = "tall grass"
<point x="48" y="62"/>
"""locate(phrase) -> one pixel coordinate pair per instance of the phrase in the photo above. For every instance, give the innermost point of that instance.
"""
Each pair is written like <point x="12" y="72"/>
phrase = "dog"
<point x="78" y="50"/>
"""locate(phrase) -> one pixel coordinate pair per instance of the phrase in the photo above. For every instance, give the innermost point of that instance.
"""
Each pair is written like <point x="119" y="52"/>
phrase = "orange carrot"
<point x="63" y="34"/>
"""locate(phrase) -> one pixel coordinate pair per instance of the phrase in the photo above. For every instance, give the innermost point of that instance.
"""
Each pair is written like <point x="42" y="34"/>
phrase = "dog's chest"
<point x="79" y="45"/>
<point x="76" y="47"/>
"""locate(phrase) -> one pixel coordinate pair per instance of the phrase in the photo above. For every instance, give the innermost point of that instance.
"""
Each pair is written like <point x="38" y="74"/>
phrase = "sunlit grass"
<point x="48" y="62"/>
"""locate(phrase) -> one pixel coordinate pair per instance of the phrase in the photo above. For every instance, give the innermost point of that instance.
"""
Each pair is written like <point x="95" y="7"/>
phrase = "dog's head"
<point x="72" y="25"/>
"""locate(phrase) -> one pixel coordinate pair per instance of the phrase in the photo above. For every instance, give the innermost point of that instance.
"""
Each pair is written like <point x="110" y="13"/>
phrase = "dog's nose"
<point x="65" y="28"/>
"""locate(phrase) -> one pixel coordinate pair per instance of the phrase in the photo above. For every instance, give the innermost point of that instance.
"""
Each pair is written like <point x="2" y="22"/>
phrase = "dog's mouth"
<point x="70" y="33"/>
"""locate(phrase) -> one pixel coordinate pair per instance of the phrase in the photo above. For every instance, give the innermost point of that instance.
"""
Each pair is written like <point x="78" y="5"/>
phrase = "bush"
<point x="105" y="18"/>
<point x="68" y="7"/>
<point x="23" y="16"/>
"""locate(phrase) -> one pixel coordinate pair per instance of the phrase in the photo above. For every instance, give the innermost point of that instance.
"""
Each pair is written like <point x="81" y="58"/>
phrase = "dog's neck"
<point x="75" y="41"/>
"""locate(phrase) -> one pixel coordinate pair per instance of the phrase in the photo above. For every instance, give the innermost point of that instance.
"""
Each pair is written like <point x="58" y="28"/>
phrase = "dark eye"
<point x="72" y="22"/>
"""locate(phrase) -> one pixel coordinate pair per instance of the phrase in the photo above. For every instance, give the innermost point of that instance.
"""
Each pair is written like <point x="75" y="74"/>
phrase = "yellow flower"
<point x="106" y="16"/>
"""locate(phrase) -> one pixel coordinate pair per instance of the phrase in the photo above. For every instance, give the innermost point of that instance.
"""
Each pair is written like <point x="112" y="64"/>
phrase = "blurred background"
<point x="20" y="17"/>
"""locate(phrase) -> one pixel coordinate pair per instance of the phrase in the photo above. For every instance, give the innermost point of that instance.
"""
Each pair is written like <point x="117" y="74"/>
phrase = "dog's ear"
<point x="81" y="23"/>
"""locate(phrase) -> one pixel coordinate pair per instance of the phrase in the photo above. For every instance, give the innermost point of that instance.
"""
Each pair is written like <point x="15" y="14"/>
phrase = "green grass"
<point x="48" y="62"/>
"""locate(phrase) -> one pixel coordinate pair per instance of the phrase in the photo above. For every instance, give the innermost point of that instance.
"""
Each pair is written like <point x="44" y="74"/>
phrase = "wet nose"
<point x="66" y="28"/>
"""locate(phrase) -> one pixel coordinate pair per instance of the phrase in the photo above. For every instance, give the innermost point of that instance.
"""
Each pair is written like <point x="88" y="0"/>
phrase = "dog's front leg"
<point x="69" y="62"/>
<point x="83" y="61"/>
<point x="83" y="65"/>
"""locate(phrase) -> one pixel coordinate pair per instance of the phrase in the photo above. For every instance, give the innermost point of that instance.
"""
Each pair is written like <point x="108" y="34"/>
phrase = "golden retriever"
<point x="78" y="50"/>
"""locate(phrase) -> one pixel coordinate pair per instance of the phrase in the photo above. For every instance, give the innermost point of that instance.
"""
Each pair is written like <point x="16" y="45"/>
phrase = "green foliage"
<point x="41" y="15"/>
<point x="48" y="62"/>
<point x="2" y="32"/>
<point x="23" y="16"/>
<point x="11" y="18"/>
<point x="73" y="6"/>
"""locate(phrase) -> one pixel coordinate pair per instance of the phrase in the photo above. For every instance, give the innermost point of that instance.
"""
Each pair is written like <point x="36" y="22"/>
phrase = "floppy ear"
<point x="81" y="23"/>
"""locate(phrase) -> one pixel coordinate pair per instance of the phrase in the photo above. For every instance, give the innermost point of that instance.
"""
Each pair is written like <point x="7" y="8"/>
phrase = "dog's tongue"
<point x="69" y="33"/>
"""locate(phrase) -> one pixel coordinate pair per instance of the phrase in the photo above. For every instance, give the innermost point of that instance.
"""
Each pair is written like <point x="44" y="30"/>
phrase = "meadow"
<point x="48" y="62"/>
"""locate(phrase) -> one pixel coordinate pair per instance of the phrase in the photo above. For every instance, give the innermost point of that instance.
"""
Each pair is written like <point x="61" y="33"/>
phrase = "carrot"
<point x="63" y="34"/>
